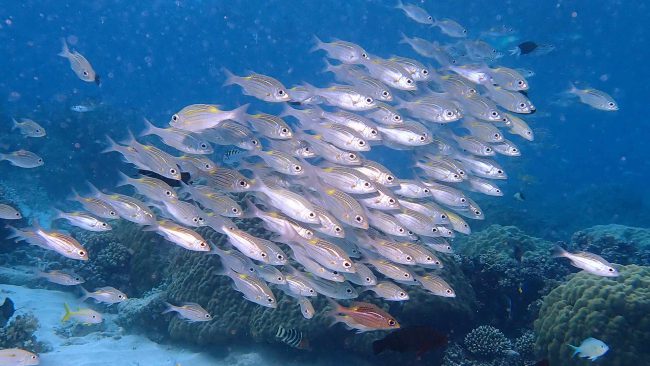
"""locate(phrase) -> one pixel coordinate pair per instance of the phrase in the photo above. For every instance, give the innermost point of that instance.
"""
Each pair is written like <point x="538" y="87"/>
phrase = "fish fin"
<point x="123" y="179"/>
<point x="169" y="308"/>
<point x="318" y="44"/>
<point x="15" y="124"/>
<point x="239" y="114"/>
<point x="231" y="78"/>
<point x="335" y="308"/>
<point x="67" y="314"/>
<point x="65" y="51"/>
<point x="399" y="5"/>
<point x="112" y="145"/>
<point x="575" y="349"/>
<point x="94" y="191"/>
<point x="558" y="251"/>
<point x="84" y="294"/>
<point x="74" y="196"/>
<point x="329" y="67"/>
<point x="58" y="214"/>
<point x="149" y="128"/>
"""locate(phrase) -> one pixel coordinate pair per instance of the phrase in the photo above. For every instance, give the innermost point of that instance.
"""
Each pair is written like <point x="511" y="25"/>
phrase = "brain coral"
<point x="614" y="310"/>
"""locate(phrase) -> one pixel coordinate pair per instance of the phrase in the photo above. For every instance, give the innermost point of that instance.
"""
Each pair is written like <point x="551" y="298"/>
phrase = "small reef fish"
<point x="292" y="338"/>
<point x="415" y="12"/>
<point x="590" y="348"/>
<point x="107" y="295"/>
<point x="61" y="243"/>
<point x="259" y="86"/>
<point x="79" y="64"/>
<point x="83" y="220"/>
<point x="84" y="316"/>
<point x="23" y="159"/>
<point x="28" y="128"/>
<point x="61" y="278"/>
<point x="594" y="98"/>
<point x="589" y="262"/>
<point x="9" y="213"/>
<point x="189" y="311"/>
<point x="18" y="357"/>
<point x="80" y="108"/>
<point x="362" y="316"/>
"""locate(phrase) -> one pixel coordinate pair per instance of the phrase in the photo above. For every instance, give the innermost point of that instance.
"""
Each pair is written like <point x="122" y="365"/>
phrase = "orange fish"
<point x="362" y="316"/>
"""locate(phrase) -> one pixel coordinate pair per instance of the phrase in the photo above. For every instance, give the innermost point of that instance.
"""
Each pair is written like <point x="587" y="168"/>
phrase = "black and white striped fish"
<point x="292" y="338"/>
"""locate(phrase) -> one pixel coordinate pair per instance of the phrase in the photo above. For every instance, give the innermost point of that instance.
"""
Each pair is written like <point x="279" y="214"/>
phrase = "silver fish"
<point x="346" y="52"/>
<point x="180" y="235"/>
<point x="253" y="289"/>
<point x="79" y="64"/>
<point x="259" y="86"/>
<point x="83" y="220"/>
<point x="199" y="117"/>
<point x="107" y="295"/>
<point x="389" y="291"/>
<point x="189" y="311"/>
<point x="67" y="278"/>
<point x="28" y="128"/>
<point x="180" y="140"/>
<point x="9" y="213"/>
<point x="23" y="159"/>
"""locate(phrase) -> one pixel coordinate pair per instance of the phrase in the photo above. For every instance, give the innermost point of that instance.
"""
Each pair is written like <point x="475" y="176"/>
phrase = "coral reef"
<point x="614" y="310"/>
<point x="486" y="342"/>
<point x="509" y="271"/>
<point x="618" y="244"/>
<point x="19" y="333"/>
<point x="524" y="345"/>
<point x="108" y="263"/>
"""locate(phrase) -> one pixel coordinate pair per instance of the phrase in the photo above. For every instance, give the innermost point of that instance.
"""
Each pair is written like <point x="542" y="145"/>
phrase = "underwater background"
<point x="581" y="182"/>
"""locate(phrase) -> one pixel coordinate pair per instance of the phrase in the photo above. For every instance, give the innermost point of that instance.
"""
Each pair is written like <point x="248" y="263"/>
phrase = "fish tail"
<point x="123" y="179"/>
<point x="230" y="77"/>
<point x="84" y="294"/>
<point x="14" y="233"/>
<point x="74" y="196"/>
<point x="318" y="44"/>
<point x="67" y="314"/>
<point x="251" y="210"/>
<point x="399" y="5"/>
<point x="169" y="308"/>
<point x="558" y="251"/>
<point x="58" y="214"/>
<point x="15" y="124"/>
<point x="329" y="67"/>
<point x="112" y="145"/>
<point x="130" y="139"/>
<point x="575" y="349"/>
<point x="149" y="128"/>
<point x="239" y="114"/>
<point x="65" y="51"/>
<point x="335" y="310"/>
<point x="94" y="191"/>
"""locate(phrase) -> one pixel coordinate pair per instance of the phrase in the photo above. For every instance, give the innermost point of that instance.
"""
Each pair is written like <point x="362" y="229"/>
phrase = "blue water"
<point x="585" y="167"/>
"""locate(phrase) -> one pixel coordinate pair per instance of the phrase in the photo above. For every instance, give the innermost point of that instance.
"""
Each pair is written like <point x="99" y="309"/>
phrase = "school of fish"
<point x="339" y="223"/>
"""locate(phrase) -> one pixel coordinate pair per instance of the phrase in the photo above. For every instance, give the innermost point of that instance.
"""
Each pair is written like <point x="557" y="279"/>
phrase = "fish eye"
<point x="499" y="171"/>
<point x="312" y="215"/>
<point x="82" y="253"/>
<point x="280" y="92"/>
<point x="488" y="149"/>
<point x="362" y="143"/>
<point x="397" y="117"/>
<point x="279" y="278"/>
<point x="311" y="291"/>
<point x="497" y="190"/>
<point x="368" y="279"/>
<point x="520" y="82"/>
<point x="390" y="178"/>
<point x="425" y="72"/>
<point x="348" y="290"/>
<point x="365" y="55"/>
<point x="611" y="104"/>
<point x="243" y="183"/>
<point x="280" y="257"/>
<point x="373" y="132"/>
<point x="204" y="145"/>
<point x="464" y="31"/>
<point x="494" y="114"/>
<point x="208" y="316"/>
<point x="207" y="166"/>
<point x="497" y="136"/>
<point x="391" y="201"/>
<point x="401" y="294"/>
<point x="514" y="150"/>
<point x="104" y="224"/>
<point x="522" y="105"/>
<point x="409" y="81"/>
<point x="426" y="190"/>
<point x="263" y="255"/>
<point x="112" y="213"/>
<point x="255" y="142"/>
<point x="438" y="262"/>
<point x="251" y="270"/>
<point x="347" y="264"/>
<point x="406" y="275"/>
<point x="366" y="184"/>
<point x="17" y="214"/>
<point x="611" y="269"/>
<point x="172" y="171"/>
<point x="38" y="130"/>
<point x="477" y="212"/>
<point x="203" y="244"/>
<point x="385" y="93"/>
<point x="449" y="114"/>
<point x="369" y="100"/>
<point x="408" y="258"/>
<point x="429" y="259"/>
<point x="358" y="218"/>
<point x="235" y="210"/>
<point x="423" y="138"/>
<point x="270" y="300"/>
<point x="120" y="296"/>
<point x="94" y="316"/>
<point x="352" y="156"/>
<point x="391" y="322"/>
<point x="85" y="73"/>
<point x="443" y="216"/>
<point x="434" y="230"/>
<point x="40" y="160"/>
<point x="337" y="229"/>
<point x="430" y="17"/>
<point x="195" y="220"/>
<point x="448" y="291"/>
<point x="284" y="130"/>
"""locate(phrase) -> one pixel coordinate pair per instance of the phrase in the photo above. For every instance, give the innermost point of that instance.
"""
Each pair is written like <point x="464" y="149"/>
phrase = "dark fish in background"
<point x="519" y="196"/>
<point x="185" y="177"/>
<point x="518" y="253"/>
<point x="418" y="339"/>
<point x="292" y="338"/>
<point x="532" y="48"/>
<point x="7" y="310"/>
